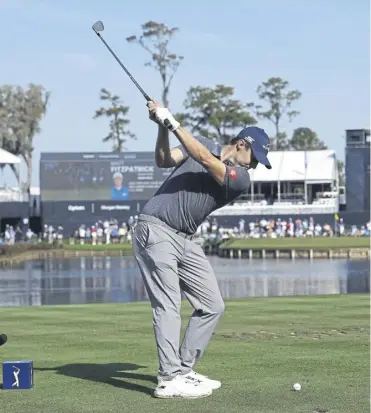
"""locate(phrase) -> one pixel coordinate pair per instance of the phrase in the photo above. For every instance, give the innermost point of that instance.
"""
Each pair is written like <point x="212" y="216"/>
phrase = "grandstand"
<point x="300" y="182"/>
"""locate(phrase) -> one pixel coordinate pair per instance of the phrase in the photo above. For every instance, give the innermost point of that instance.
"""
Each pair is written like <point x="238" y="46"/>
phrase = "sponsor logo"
<point x="232" y="173"/>
<point x="115" y="207"/>
<point x="249" y="139"/>
<point x="108" y="156"/>
<point x="74" y="208"/>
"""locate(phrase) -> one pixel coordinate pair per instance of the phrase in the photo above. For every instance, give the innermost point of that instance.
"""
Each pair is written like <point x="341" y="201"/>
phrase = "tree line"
<point x="21" y="112"/>
<point x="213" y="112"/>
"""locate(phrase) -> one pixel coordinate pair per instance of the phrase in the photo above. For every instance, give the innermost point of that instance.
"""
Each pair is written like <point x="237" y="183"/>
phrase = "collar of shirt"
<point x="217" y="150"/>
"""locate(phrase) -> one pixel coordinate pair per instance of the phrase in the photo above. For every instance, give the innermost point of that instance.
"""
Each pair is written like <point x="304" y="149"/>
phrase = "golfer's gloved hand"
<point x="162" y="116"/>
<point x="165" y="118"/>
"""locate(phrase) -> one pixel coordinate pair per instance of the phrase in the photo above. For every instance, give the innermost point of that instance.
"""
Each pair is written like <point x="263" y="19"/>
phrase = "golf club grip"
<point x="148" y="99"/>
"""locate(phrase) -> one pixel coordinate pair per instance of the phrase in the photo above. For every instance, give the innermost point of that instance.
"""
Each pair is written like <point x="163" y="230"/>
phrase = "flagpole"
<point x="279" y="180"/>
<point x="337" y="180"/>
<point x="305" y="177"/>
<point x="336" y="216"/>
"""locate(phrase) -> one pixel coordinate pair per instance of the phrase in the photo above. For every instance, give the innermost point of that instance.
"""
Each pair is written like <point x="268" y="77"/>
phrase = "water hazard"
<point x="117" y="279"/>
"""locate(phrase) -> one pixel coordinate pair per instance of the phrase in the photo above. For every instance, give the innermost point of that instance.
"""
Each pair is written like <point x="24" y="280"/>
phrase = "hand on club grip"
<point x="152" y="105"/>
<point x="165" y="118"/>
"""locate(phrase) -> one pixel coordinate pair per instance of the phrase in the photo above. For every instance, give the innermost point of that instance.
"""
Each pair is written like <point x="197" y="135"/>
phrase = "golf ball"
<point x="296" y="387"/>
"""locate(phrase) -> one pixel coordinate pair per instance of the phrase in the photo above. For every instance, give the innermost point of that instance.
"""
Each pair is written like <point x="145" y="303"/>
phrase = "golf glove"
<point x="165" y="118"/>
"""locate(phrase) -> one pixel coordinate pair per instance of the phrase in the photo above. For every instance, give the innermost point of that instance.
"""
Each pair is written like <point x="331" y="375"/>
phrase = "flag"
<point x="337" y="218"/>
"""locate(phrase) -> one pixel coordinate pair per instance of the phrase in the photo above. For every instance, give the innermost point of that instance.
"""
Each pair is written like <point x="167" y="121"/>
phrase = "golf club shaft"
<point x="126" y="71"/>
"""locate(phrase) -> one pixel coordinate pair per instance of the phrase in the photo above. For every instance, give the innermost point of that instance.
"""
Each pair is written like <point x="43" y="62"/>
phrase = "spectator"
<point x="82" y="234"/>
<point x="94" y="235"/>
<point x="341" y="227"/>
<point x="241" y="225"/>
<point x="29" y="234"/>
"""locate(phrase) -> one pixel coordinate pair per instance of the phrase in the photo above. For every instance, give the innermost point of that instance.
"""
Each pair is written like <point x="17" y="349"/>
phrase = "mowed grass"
<point x="299" y="243"/>
<point x="102" y="358"/>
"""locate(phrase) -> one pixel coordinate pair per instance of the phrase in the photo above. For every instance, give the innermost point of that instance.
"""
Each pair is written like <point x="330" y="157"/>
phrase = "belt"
<point x="156" y="221"/>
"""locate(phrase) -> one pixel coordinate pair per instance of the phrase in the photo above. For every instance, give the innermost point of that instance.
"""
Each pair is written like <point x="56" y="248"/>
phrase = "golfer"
<point x="206" y="177"/>
<point x="119" y="192"/>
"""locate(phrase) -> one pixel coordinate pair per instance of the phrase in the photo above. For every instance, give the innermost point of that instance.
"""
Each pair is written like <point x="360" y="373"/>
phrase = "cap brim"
<point x="261" y="158"/>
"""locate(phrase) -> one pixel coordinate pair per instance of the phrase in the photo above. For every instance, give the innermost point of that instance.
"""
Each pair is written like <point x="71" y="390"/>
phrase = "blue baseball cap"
<point x="259" y="142"/>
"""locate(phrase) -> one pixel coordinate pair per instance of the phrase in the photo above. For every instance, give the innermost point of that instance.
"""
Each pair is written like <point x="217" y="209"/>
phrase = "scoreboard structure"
<point x="357" y="170"/>
<point x="83" y="188"/>
<point x="100" y="176"/>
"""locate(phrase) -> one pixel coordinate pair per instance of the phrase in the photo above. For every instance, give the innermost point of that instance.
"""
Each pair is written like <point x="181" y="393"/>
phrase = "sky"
<point x="321" y="47"/>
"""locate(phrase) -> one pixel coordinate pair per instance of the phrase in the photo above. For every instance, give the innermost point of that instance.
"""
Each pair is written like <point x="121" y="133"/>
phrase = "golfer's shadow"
<point x="115" y="374"/>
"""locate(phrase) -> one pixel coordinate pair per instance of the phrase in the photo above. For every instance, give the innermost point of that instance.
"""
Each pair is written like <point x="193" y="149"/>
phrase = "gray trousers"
<point x="171" y="263"/>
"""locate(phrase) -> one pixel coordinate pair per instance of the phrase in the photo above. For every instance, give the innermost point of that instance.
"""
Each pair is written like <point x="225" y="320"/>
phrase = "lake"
<point x="117" y="279"/>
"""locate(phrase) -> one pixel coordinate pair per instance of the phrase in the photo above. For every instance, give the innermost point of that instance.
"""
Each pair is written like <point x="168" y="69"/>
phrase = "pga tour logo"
<point x="16" y="371"/>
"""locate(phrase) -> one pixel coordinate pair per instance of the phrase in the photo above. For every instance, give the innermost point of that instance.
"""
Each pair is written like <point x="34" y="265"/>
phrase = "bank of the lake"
<point x="15" y="254"/>
<point x="291" y="248"/>
<point x="297" y="243"/>
<point x="335" y="247"/>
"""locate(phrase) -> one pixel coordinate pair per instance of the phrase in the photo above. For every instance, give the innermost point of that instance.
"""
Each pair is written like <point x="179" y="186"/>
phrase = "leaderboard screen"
<point x="129" y="176"/>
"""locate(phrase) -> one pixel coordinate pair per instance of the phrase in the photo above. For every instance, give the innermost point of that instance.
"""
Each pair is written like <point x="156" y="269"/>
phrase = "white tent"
<point x="309" y="166"/>
<point x="7" y="158"/>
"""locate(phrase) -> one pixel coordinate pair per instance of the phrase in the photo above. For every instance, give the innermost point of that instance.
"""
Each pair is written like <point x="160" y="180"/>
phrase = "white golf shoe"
<point x="194" y="377"/>
<point x="180" y="386"/>
<point x="212" y="384"/>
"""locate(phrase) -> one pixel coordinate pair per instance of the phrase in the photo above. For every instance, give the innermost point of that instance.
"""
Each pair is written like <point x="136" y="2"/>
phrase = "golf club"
<point x="3" y="339"/>
<point x="99" y="27"/>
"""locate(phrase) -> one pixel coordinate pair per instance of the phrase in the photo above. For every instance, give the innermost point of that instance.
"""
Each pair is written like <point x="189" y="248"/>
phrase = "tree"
<point x="155" y="40"/>
<point x="21" y="111"/>
<point x="305" y="139"/>
<point x="278" y="100"/>
<point x="9" y="119"/>
<point x="117" y="113"/>
<point x="214" y="113"/>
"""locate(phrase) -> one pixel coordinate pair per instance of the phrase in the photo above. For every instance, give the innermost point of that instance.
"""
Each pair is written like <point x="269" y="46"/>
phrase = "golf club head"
<point x="98" y="26"/>
<point x="3" y="339"/>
